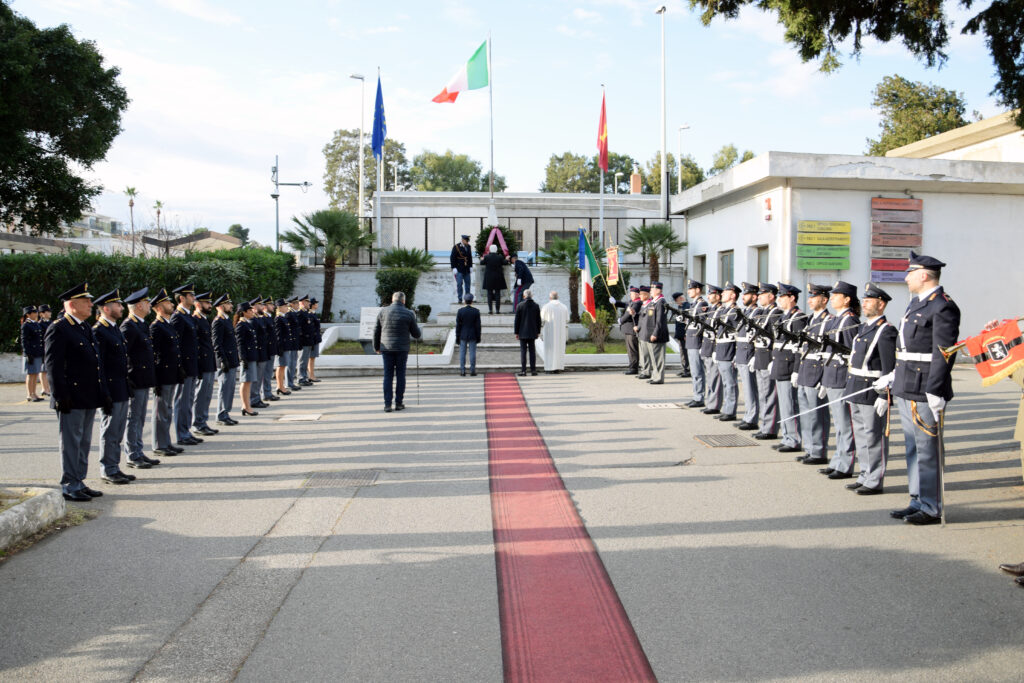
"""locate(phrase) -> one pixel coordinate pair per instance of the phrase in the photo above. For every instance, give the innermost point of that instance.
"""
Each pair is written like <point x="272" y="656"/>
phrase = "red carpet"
<point x="561" y="618"/>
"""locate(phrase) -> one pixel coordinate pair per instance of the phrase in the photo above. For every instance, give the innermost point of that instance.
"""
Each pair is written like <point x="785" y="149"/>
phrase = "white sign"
<point x="367" y="322"/>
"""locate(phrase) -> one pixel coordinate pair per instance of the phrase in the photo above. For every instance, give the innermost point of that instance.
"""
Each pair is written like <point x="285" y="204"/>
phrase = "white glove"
<point x="822" y="392"/>
<point x="750" y="365"/>
<point x="518" y="282"/>
<point x="772" y="363"/>
<point x="680" y="319"/>
<point x="936" y="403"/>
<point x="884" y="382"/>
<point x="455" y="271"/>
<point x="611" y="300"/>
<point x="881" y="405"/>
<point x="794" y="377"/>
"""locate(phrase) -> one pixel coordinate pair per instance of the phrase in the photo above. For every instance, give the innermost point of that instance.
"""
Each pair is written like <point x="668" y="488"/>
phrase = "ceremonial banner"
<point x="470" y="76"/>
<point x="589" y="273"/>
<point x="602" y="139"/>
<point x="997" y="353"/>
<point x="613" y="265"/>
<point x="501" y="241"/>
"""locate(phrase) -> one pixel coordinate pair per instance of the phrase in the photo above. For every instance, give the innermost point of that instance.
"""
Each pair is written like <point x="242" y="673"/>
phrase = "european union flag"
<point x="380" y="126"/>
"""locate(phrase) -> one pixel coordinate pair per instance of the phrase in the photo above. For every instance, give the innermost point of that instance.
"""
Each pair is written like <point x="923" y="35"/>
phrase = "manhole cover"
<point x="724" y="440"/>
<point x="342" y="479"/>
<point x="311" y="417"/>
<point x="658" y="406"/>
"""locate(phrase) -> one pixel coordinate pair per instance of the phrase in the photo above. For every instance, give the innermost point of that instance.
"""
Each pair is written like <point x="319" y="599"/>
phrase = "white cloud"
<point x="586" y="15"/>
<point x="202" y="10"/>
<point x="382" y="29"/>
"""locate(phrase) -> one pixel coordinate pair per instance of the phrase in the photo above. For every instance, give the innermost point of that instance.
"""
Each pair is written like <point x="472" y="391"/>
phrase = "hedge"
<point x="391" y="280"/>
<point x="39" y="278"/>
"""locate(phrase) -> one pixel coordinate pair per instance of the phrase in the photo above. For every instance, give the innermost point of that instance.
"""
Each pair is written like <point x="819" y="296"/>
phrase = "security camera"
<point x="274" y="195"/>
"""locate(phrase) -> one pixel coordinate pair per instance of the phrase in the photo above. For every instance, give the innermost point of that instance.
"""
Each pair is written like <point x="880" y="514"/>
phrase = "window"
<point x="699" y="268"/>
<point x="725" y="267"/>
<point x="550" y="235"/>
<point x="762" y="264"/>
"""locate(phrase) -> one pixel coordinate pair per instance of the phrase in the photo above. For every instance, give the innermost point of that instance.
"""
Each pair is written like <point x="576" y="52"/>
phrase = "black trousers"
<point x="530" y="344"/>
<point x="494" y="300"/>
<point x="632" y="351"/>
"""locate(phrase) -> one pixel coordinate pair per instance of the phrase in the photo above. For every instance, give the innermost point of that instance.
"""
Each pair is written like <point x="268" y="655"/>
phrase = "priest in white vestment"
<point x="554" y="319"/>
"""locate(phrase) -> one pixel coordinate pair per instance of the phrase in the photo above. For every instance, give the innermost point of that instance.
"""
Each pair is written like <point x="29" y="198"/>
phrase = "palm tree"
<point x="337" y="234"/>
<point x="400" y="257"/>
<point x="130" y="191"/>
<point x="158" y="205"/>
<point x="564" y="254"/>
<point x="652" y="240"/>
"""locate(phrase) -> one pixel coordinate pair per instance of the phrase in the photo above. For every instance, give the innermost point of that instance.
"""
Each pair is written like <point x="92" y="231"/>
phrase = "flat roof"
<point x="958" y="138"/>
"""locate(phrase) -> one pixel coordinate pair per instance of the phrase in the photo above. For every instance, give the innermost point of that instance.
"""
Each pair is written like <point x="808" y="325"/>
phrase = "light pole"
<point x="617" y="181"/>
<point x="362" y="115"/>
<point x="664" y="125"/>
<point x="394" y="167"/>
<point x="277" y="193"/>
<point x="679" y="159"/>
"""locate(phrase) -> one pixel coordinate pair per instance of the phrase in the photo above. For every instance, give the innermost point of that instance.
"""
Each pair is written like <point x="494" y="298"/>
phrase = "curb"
<point x="28" y="517"/>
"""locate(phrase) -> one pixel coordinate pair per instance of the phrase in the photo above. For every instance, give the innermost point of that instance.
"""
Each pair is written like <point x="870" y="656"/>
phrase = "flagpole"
<point x="600" y="219"/>
<point x="490" y="96"/>
<point x="380" y="163"/>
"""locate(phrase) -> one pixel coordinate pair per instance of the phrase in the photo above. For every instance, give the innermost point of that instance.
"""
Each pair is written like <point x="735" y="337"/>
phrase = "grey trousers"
<point x="75" y="431"/>
<point x="749" y="381"/>
<point x="290" y="374"/>
<point x="163" y="415"/>
<point x="632" y="352"/>
<point x="307" y="353"/>
<point x="256" y="387"/>
<point x="226" y="392"/>
<point x="768" y="402"/>
<point x="872" y="444"/>
<point x="788" y="407"/>
<point x="923" y="476"/>
<point x="646" y="359"/>
<point x="184" y="396"/>
<point x="712" y="383"/>
<point x="137" y="404"/>
<point x="814" y="427"/>
<point x="727" y="371"/>
<point x="111" y="434"/>
<point x="267" y="372"/>
<point x="842" y="459"/>
<point x="657" y="351"/>
<point x="697" y="374"/>
<point x="201" y="405"/>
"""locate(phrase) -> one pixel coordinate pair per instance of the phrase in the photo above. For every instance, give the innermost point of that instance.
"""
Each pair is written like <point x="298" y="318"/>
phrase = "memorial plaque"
<point x="823" y="226"/>
<point x="367" y="322"/>
<point x="887" y="276"/>
<point x="890" y="264"/>
<point x="896" y="216"/>
<point x="823" y="263"/>
<point x="896" y="240"/>
<point x="821" y="251"/>
<point x="895" y="228"/>
<point x="897" y="204"/>
<point x="890" y="252"/>
<point x="822" y="238"/>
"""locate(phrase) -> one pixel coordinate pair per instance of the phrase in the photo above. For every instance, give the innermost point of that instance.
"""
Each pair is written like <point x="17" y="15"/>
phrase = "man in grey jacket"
<point x="395" y="325"/>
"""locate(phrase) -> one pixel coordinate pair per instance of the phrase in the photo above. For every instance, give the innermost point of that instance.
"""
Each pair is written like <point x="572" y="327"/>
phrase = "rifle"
<point x="697" y="318"/>
<point x="759" y="331"/>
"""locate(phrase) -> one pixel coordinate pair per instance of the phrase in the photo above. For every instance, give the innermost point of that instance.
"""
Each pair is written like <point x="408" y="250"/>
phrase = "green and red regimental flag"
<point x="602" y="139"/>
<point x="589" y="273"/>
<point x="472" y="75"/>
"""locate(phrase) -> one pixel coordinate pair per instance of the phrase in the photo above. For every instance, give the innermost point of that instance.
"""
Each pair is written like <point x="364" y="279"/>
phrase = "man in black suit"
<point x="169" y="373"/>
<point x="141" y="376"/>
<point x="462" y="268"/>
<point x="527" y="329"/>
<point x="75" y="371"/>
<point x="225" y="348"/>
<point x="114" y="359"/>
<point x="188" y="347"/>
<point x="467" y="334"/>
<point x="207" y="366"/>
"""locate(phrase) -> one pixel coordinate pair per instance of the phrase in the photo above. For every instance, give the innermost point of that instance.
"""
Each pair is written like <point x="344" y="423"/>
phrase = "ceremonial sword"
<point x="823" y="405"/>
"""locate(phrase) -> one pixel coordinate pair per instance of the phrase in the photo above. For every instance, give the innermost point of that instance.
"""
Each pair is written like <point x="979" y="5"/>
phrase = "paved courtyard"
<point x="361" y="546"/>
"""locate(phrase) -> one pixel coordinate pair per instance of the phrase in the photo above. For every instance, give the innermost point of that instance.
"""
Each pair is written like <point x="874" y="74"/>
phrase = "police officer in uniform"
<point x="725" y="350"/>
<point x="114" y="357"/>
<point x="188" y="347"/>
<point x="745" y="356"/>
<point x="923" y="384"/>
<point x="643" y="343"/>
<point x="225" y="349"/>
<point x="842" y="329"/>
<point x="655" y="332"/>
<point x="784" y="366"/>
<point x="627" y="319"/>
<point x="32" y="348"/>
<point x="767" y="398"/>
<point x="261" y="327"/>
<point x="815" y="425"/>
<point x="271" y="348"/>
<point x="314" y="353"/>
<point x="679" y="334"/>
<point x="207" y="366"/>
<point x="698" y="309"/>
<point x="141" y="377"/>
<point x="712" y="380"/>
<point x="874" y="355"/>
<point x="73" y="363"/>
<point x="306" y="340"/>
<point x="462" y="267"/>
<point x="169" y="373"/>
<point x="245" y="335"/>
<point x="295" y="338"/>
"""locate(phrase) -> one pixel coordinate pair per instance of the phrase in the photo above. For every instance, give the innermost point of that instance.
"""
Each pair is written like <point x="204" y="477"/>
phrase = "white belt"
<point x="779" y="344"/>
<point x="817" y="355"/>
<point x="909" y="356"/>
<point x="760" y="344"/>
<point x="858" y="372"/>
<point x="726" y="339"/>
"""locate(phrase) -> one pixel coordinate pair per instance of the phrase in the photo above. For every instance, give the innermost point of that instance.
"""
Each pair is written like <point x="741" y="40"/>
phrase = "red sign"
<point x="896" y="216"/>
<point x="897" y="204"/>
<point x="613" y="265"/>
<point x="890" y="228"/>
<point x="890" y="264"/>
<point x="896" y="240"/>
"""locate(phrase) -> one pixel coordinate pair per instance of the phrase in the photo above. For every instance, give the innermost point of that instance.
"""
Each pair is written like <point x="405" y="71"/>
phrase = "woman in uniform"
<point x="248" y="353"/>
<point x="31" y="350"/>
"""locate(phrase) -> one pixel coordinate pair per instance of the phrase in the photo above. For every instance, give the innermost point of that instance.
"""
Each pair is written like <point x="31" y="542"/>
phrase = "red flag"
<point x="602" y="139"/>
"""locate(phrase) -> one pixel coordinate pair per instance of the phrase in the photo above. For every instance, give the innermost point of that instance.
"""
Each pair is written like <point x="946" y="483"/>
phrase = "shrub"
<point x="601" y="328"/>
<point x="510" y="239"/>
<point x="400" y="257"/>
<point x="423" y="312"/>
<point x="391" y="280"/>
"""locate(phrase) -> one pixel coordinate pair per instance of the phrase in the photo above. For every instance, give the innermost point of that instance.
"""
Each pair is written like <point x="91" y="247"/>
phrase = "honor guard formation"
<point x="838" y="367"/>
<point x="182" y="356"/>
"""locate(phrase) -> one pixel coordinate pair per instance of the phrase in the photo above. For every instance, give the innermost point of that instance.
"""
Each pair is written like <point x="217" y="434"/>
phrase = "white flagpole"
<point x="490" y="93"/>
<point x="600" y="220"/>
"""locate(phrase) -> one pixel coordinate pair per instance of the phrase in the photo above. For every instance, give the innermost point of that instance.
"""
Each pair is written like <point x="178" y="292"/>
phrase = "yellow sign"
<point x="823" y="226"/>
<point x="613" y="265"/>
<point x="822" y="238"/>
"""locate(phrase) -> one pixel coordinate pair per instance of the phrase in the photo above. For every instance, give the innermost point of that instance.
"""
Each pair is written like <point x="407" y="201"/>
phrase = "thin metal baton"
<point x="823" y="405"/>
<point x="942" y="468"/>
<point x="417" y="372"/>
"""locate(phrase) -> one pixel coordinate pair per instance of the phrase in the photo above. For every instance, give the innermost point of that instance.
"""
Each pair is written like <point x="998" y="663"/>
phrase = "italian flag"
<point x="472" y="75"/>
<point x="589" y="272"/>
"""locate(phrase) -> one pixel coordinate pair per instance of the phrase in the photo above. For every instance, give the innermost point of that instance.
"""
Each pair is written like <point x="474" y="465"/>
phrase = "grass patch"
<point x="347" y="347"/>
<point x="588" y="347"/>
<point x="73" y="517"/>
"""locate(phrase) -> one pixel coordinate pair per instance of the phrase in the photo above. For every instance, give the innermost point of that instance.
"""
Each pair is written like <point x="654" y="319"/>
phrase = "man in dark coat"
<point x="494" y="278"/>
<point x="207" y="366"/>
<point x="169" y="373"/>
<point x="396" y="324"/>
<point x="462" y="268"/>
<point x="527" y="329"/>
<point x="523" y="279"/>
<point x="654" y="332"/>
<point x="73" y="363"/>
<point x="188" y="347"/>
<point x="225" y="348"/>
<point x="141" y="377"/>
<point x="679" y="334"/>
<point x="272" y="348"/>
<point x="467" y="334"/>
<point x="114" y="357"/>
<point x="627" y="320"/>
<point x="307" y="336"/>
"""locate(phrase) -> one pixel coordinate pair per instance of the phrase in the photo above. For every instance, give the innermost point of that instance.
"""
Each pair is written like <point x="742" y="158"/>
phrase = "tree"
<point x="577" y="173"/>
<point x="652" y="240"/>
<point x="817" y="28"/>
<point x="131" y="193"/>
<point x="652" y="173"/>
<point x="60" y="109"/>
<point x="450" y="172"/>
<point x="912" y="111"/>
<point x="159" y="206"/>
<point x="726" y="158"/>
<point x="341" y="175"/>
<point x="692" y="173"/>
<point x="333" y="232"/>
<point x="418" y="259"/>
<point x="236" y="230"/>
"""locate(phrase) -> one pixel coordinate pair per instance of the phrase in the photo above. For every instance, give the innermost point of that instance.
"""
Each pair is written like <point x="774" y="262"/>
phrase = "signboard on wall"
<point x="823" y="245"/>
<point x="896" y="228"/>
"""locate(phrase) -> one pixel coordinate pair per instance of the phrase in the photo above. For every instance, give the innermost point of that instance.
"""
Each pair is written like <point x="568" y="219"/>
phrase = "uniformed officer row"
<point x="806" y="374"/>
<point x="113" y="365"/>
<point x="34" y="321"/>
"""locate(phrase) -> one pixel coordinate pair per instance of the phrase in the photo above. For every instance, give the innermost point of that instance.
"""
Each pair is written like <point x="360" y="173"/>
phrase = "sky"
<point x="219" y="88"/>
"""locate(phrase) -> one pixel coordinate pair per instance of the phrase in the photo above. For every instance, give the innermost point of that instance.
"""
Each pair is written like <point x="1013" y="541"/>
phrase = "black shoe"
<point x="166" y="452"/>
<point x="249" y="413"/>
<point x="206" y="431"/>
<point x="175" y="449"/>
<point x="399" y="406"/>
<point x="631" y="372"/>
<point x="651" y="381"/>
<point x="534" y="374"/>
<point x="854" y="486"/>
<point x="191" y="441"/>
<point x="472" y="374"/>
<point x="92" y="493"/>
<point x="801" y="458"/>
<point x="305" y="383"/>
<point x="789" y="449"/>
<point x="765" y="437"/>
<point x="816" y="461"/>
<point x="921" y="518"/>
<point x="639" y="376"/>
<point x="78" y="497"/>
<point x="138" y="464"/>
<point x="260" y="404"/>
<point x="283" y="392"/>
<point x="295" y="387"/>
<point x="746" y="426"/>
<point x="226" y="423"/>
<point x="315" y="380"/>
<point x="131" y="477"/>
<point x="463" y="374"/>
<point x="684" y="375"/>
<point x="152" y="461"/>
<point x="694" y="404"/>
<point x="868" y="491"/>
<point x="727" y="418"/>
<point x="900" y="514"/>
<point x="272" y="398"/>
<point x="521" y="374"/>
<point x="117" y="478"/>
<point x="387" y="409"/>
<point x="822" y="470"/>
<point x="711" y="411"/>
<point x="840" y="475"/>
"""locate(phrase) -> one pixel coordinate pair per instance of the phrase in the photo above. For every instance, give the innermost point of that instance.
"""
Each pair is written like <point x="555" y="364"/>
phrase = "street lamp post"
<point x="277" y="193"/>
<point x="664" y="125"/>
<point x="362" y="116"/>
<point x="620" y="173"/>
<point x="394" y="167"/>
<point x="679" y="159"/>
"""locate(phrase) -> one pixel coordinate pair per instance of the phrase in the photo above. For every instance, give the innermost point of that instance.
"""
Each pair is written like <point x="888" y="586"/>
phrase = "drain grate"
<point x="308" y="417"/>
<point x="341" y="479"/>
<point x="724" y="440"/>
<point x="658" y="406"/>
